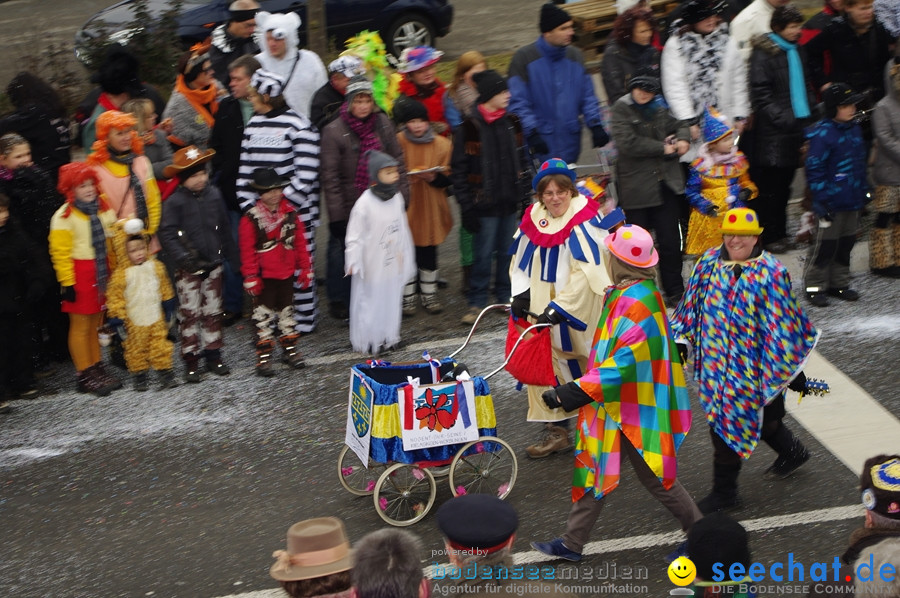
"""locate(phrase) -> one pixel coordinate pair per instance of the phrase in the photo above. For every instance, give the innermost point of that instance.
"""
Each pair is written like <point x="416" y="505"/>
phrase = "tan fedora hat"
<point x="315" y="548"/>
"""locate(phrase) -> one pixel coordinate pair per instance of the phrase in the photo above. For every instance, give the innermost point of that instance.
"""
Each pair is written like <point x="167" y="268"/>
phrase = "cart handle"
<point x="475" y="325"/>
<point x="516" y="346"/>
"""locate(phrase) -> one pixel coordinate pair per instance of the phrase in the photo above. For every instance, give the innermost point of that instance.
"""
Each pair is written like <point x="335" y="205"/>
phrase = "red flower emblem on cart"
<point x="436" y="412"/>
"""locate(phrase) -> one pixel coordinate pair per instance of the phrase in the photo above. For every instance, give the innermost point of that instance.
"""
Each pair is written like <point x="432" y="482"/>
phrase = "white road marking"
<point x="844" y="417"/>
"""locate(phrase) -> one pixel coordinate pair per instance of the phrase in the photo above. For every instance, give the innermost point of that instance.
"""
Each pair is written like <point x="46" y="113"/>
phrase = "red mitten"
<point x="253" y="285"/>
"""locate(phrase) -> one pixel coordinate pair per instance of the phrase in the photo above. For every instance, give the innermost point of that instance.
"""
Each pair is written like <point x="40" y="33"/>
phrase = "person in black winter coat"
<point x="327" y="101"/>
<point x="858" y="47"/>
<point x="34" y="199"/>
<point x="630" y="48"/>
<point x="226" y="138"/>
<point x="40" y="117"/>
<point x="24" y="279"/>
<point x="487" y="174"/>
<point x="779" y="124"/>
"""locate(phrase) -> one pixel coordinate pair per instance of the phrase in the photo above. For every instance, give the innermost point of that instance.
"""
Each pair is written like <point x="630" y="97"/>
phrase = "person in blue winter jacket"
<point x="836" y="173"/>
<point x="551" y="92"/>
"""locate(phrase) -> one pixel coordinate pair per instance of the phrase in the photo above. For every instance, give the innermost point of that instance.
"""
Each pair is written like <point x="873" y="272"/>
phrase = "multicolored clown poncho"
<point x="637" y="389"/>
<point x="559" y="261"/>
<point x="749" y="336"/>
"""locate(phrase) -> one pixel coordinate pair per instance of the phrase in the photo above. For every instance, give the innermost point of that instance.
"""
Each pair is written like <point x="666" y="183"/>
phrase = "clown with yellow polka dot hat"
<point x="751" y="339"/>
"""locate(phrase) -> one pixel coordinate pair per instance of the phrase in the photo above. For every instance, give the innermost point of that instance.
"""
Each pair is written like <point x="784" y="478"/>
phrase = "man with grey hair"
<point x="387" y="564"/>
<point x="234" y="37"/>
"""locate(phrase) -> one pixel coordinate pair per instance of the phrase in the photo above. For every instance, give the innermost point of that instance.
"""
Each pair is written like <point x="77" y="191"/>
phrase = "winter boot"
<point x="141" y="381"/>
<point x="214" y="363"/>
<point x="556" y="440"/>
<point x="428" y="286"/>
<point x="110" y="380"/>
<point x="791" y="452"/>
<point x="88" y="381"/>
<point x="880" y="258"/>
<point x="264" y="351"/>
<point x="409" y="298"/>
<point x="167" y="379"/>
<point x="724" y="495"/>
<point x="192" y="368"/>
<point x="290" y="353"/>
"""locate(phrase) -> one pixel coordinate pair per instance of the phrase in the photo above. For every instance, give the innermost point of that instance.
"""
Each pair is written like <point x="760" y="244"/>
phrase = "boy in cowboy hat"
<point x="740" y="317"/>
<point x="317" y="560"/>
<point x="273" y="249"/>
<point x="196" y="234"/>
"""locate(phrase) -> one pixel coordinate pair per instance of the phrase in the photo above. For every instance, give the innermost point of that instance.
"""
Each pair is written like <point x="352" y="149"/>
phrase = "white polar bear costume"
<point x="302" y="70"/>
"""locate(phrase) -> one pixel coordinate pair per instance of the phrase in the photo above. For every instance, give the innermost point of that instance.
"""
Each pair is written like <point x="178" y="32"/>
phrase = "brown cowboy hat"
<point x="315" y="548"/>
<point x="187" y="157"/>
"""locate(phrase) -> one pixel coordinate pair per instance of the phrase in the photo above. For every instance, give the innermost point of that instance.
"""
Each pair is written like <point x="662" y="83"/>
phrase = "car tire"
<point x="408" y="31"/>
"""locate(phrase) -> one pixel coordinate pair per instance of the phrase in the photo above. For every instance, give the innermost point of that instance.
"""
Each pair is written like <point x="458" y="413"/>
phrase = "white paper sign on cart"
<point x="359" y="417"/>
<point x="437" y="414"/>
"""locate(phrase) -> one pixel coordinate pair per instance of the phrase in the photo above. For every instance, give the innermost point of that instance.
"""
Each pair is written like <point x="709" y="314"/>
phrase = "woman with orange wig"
<point x="78" y="249"/>
<point x="124" y="174"/>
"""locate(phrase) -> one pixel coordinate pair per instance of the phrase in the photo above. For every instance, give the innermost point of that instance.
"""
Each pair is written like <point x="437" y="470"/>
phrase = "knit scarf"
<point x="6" y="174"/>
<point x="135" y="183"/>
<point x="368" y="140"/>
<point x="799" y="101"/>
<point x="488" y="115"/>
<point x="703" y="56"/>
<point x="98" y="239"/>
<point x="202" y="100"/>
<point x="427" y="137"/>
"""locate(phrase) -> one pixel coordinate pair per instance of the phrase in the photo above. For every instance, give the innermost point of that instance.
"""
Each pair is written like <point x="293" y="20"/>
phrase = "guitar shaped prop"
<point x="814" y="387"/>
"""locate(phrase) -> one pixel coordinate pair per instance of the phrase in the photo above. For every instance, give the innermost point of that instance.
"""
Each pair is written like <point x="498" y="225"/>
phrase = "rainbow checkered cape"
<point x="750" y="338"/>
<point x="637" y="390"/>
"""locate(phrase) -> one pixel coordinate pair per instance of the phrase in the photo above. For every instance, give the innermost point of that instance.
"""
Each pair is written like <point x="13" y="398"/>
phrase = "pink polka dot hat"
<point x="741" y="221"/>
<point x="633" y="245"/>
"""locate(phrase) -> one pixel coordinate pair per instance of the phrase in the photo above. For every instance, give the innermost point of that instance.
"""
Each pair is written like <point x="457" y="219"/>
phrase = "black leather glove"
<point x="550" y="316"/>
<point x="798" y="384"/>
<point x="682" y="351"/>
<point x="68" y="294"/>
<point x="550" y="398"/>
<point x="471" y="222"/>
<point x="189" y="264"/>
<point x="537" y="144"/>
<point x="520" y="304"/>
<point x="599" y="136"/>
<point x="571" y="397"/>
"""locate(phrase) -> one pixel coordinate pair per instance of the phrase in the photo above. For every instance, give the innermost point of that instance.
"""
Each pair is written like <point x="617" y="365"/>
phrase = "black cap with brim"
<point x="266" y="179"/>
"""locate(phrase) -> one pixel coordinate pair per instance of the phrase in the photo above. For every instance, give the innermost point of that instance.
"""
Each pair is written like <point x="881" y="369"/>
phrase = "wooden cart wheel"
<point x="484" y="466"/>
<point x="354" y="476"/>
<point x="404" y="494"/>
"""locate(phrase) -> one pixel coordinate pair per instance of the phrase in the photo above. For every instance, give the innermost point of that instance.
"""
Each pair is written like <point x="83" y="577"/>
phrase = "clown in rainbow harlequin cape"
<point x="634" y="385"/>
<point x="749" y="336"/>
<point x="632" y="401"/>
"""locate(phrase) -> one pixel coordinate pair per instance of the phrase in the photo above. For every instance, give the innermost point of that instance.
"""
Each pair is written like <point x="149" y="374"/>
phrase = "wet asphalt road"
<point x="185" y="494"/>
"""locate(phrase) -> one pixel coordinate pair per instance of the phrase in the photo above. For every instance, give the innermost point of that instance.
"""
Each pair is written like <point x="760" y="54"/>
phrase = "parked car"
<point x="401" y="23"/>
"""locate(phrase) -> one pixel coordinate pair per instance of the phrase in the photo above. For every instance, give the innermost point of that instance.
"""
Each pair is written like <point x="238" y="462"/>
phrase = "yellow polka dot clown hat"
<point x="741" y="221"/>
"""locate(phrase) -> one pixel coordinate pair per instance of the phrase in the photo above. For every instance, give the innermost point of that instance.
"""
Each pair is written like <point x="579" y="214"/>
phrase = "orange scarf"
<point x="199" y="99"/>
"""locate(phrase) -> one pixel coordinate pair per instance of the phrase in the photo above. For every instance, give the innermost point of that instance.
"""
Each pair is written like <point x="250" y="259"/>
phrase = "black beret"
<point x="475" y="521"/>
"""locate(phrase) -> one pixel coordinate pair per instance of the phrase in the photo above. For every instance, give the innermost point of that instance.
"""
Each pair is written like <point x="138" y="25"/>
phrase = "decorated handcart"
<point x="409" y="423"/>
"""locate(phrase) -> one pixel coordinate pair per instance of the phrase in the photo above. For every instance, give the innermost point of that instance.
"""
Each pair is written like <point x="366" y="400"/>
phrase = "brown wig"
<point x="626" y="22"/>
